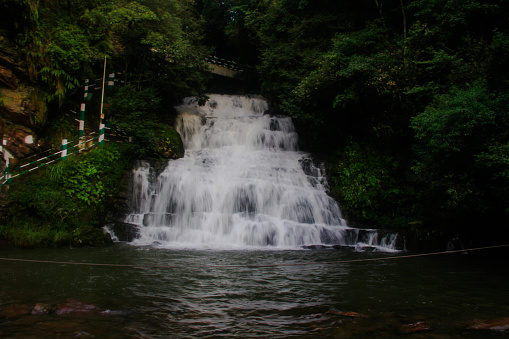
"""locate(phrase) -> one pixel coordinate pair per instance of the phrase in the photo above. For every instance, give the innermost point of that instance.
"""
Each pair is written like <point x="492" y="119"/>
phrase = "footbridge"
<point x="217" y="65"/>
<point x="224" y="67"/>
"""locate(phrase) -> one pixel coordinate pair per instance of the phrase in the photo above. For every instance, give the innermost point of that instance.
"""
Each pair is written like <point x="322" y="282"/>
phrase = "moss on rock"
<point x="169" y="144"/>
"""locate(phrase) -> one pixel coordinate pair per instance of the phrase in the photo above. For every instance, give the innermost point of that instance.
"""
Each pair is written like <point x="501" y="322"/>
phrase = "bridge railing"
<point x="224" y="63"/>
<point x="47" y="157"/>
<point x="36" y="161"/>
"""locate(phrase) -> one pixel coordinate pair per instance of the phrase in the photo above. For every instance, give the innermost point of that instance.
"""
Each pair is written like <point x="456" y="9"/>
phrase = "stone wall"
<point x="19" y="107"/>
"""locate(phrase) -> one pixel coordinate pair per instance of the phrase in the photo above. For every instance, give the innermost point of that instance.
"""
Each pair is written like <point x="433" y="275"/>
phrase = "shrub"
<point x="67" y="202"/>
<point x="365" y="183"/>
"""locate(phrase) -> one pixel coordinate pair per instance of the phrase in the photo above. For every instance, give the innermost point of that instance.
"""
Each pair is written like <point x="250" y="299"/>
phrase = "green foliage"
<point x="83" y="182"/>
<point x="460" y="147"/>
<point x="64" y="203"/>
<point x="169" y="144"/>
<point x="56" y="50"/>
<point x="448" y="14"/>
<point x="161" y="45"/>
<point x="59" y="128"/>
<point x="63" y="43"/>
<point x="389" y="74"/>
<point x="88" y="236"/>
<point x="135" y="109"/>
<point x="29" y="237"/>
<point x="131" y="14"/>
<point x="365" y="183"/>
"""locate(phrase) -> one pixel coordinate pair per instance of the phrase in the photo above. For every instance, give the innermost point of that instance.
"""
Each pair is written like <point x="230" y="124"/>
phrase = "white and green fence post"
<point x="88" y="94"/>
<point x="64" y="149"/>
<point x="82" y="121"/>
<point x="8" y="175"/>
<point x="111" y="80"/>
<point x="81" y="129"/>
<point x="101" y="133"/>
<point x="6" y="163"/>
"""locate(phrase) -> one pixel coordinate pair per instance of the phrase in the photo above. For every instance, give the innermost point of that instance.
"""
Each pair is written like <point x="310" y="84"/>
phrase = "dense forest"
<point x="407" y="102"/>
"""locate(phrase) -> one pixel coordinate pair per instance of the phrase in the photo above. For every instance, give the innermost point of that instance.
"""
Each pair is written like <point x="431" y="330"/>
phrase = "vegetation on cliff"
<point x="53" y="46"/>
<point x="67" y="203"/>
<point x="409" y="96"/>
<point x="408" y="100"/>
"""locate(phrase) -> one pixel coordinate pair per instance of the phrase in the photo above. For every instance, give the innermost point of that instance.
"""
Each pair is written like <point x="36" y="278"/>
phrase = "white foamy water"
<point x="240" y="184"/>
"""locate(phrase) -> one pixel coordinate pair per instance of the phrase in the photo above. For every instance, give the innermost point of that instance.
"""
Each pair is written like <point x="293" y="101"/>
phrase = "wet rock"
<point x="22" y="106"/>
<point x="315" y="247"/>
<point x="7" y="78"/>
<point x="420" y="326"/>
<point x="114" y="313"/>
<point x="497" y="324"/>
<point x="347" y="314"/>
<point x="41" y="308"/>
<point x="84" y="334"/>
<point x="123" y="231"/>
<point x="75" y="306"/>
<point x="344" y="248"/>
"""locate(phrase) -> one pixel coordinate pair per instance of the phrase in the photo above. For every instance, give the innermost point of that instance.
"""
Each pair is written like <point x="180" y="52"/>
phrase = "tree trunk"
<point x="379" y="6"/>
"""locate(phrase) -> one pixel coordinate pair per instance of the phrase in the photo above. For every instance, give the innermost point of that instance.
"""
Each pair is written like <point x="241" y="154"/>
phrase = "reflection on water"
<point x="446" y="293"/>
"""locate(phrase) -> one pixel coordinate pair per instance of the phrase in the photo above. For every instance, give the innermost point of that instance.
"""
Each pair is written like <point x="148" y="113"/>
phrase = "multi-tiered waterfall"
<point x="241" y="183"/>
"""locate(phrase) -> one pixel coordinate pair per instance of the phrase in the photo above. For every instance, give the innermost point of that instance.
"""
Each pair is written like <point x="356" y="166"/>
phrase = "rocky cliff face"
<point x="20" y="107"/>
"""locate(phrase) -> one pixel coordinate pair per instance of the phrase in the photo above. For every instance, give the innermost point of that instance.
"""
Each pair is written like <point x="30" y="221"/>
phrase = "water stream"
<point x="242" y="183"/>
<point x="298" y="294"/>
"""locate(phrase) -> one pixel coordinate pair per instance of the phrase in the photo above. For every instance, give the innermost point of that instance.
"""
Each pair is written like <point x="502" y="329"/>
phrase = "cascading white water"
<point x="241" y="183"/>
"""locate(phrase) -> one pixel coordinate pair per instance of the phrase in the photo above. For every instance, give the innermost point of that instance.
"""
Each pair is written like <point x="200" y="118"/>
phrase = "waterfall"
<point x="242" y="183"/>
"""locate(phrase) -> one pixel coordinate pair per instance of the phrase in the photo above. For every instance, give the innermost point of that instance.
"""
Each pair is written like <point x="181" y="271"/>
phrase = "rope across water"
<point x="252" y="266"/>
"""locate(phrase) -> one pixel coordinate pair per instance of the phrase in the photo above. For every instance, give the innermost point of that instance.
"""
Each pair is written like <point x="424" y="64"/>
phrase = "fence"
<point x="36" y="161"/>
<point x="224" y="63"/>
<point x="68" y="148"/>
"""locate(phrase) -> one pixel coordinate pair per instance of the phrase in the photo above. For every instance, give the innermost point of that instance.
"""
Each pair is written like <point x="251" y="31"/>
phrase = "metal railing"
<point x="224" y="63"/>
<point x="68" y="148"/>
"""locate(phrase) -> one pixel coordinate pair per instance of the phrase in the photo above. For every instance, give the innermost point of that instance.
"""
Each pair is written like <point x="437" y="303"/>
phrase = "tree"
<point x="461" y="144"/>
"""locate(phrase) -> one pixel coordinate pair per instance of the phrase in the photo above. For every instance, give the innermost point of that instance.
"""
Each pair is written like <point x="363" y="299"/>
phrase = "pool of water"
<point x="184" y="293"/>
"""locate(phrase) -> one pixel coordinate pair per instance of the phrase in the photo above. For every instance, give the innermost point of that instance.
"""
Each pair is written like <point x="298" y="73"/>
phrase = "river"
<point x="299" y="294"/>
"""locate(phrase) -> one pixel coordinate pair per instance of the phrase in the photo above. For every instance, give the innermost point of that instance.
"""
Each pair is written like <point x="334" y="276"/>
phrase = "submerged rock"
<point x="41" y="308"/>
<point x="497" y="324"/>
<point x="347" y="314"/>
<point x="75" y="306"/>
<point x="420" y="326"/>
<point x="68" y="307"/>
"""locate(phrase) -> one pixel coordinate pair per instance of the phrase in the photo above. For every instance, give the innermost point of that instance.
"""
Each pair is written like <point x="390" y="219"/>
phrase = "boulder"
<point x="40" y="309"/>
<point x="22" y="106"/>
<point x="122" y="231"/>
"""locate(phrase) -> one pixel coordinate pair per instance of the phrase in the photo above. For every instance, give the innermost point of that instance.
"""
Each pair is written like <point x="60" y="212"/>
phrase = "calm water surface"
<point x="447" y="293"/>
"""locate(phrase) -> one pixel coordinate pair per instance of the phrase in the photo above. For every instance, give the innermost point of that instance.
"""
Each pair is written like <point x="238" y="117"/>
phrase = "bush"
<point x="364" y="181"/>
<point x="461" y="149"/>
<point x="68" y="202"/>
